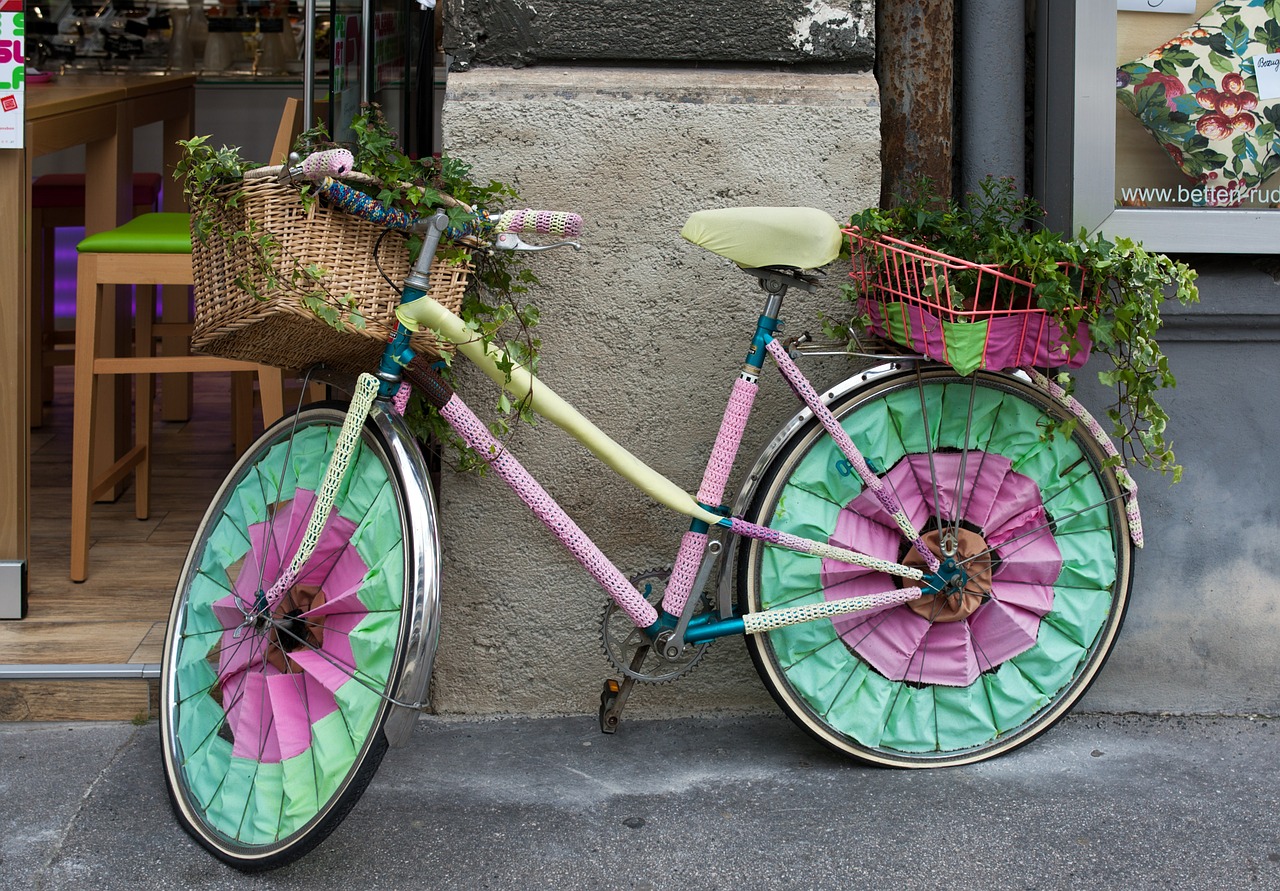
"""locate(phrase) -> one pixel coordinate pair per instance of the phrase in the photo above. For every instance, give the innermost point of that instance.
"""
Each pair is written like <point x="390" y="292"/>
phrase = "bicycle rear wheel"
<point x="1028" y="508"/>
<point x="274" y="716"/>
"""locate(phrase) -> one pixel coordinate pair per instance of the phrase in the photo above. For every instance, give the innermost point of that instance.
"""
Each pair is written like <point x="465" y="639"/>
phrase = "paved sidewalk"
<point x="1099" y="802"/>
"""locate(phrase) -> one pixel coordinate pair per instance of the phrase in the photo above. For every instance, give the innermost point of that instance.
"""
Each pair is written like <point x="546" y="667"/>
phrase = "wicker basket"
<point x="277" y="328"/>
<point x="905" y="289"/>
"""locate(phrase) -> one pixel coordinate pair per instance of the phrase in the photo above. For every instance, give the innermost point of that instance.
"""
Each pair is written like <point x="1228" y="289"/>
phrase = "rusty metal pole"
<point x="915" y="42"/>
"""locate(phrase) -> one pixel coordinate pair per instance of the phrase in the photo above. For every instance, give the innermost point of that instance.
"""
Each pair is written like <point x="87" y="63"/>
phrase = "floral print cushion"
<point x="1198" y="96"/>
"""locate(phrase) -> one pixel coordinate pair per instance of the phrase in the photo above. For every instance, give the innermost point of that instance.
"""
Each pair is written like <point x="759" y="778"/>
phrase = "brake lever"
<point x="510" y="241"/>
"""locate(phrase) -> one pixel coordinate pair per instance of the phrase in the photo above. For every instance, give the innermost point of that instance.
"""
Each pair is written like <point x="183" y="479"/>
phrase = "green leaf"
<point x="1221" y="63"/>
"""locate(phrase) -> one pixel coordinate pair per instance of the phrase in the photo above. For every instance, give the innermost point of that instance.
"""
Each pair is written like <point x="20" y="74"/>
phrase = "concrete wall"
<point x="641" y="331"/>
<point x="645" y="332"/>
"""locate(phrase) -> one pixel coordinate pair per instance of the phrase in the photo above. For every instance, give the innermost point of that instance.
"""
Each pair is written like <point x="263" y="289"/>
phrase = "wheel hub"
<point x="963" y="580"/>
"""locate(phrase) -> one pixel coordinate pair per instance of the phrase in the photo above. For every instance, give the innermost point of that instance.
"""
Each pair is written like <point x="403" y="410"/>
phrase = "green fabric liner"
<point x="856" y="700"/>
<point x="965" y="341"/>
<point x="258" y="803"/>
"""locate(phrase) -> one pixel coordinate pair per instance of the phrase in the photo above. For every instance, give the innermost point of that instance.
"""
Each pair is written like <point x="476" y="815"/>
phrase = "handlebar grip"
<point x="355" y="202"/>
<point x="333" y="162"/>
<point x="547" y="222"/>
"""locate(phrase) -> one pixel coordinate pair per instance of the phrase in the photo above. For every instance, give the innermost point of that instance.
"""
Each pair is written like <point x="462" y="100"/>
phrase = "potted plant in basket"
<point x="270" y="288"/>
<point x="984" y="284"/>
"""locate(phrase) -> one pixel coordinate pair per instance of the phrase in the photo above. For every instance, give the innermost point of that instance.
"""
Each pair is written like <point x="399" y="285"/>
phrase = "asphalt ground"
<point x="1114" y="802"/>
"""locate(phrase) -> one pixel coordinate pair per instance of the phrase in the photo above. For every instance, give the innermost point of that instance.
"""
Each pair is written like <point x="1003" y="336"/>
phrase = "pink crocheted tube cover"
<point x="800" y="384"/>
<point x="728" y="439"/>
<point x="714" y="479"/>
<point x="544" y="507"/>
<point x="684" y="572"/>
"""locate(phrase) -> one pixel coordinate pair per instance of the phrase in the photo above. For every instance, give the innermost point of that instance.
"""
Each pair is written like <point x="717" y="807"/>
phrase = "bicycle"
<point x="941" y="592"/>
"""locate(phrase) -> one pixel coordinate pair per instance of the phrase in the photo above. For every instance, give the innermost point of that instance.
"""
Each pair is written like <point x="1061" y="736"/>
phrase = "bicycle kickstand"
<point x="613" y="698"/>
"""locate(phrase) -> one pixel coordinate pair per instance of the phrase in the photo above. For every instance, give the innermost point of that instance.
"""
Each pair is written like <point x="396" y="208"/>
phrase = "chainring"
<point x="623" y="641"/>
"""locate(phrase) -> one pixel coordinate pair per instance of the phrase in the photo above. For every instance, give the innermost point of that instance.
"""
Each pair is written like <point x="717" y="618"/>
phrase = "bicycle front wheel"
<point x="273" y="714"/>
<point x="984" y="466"/>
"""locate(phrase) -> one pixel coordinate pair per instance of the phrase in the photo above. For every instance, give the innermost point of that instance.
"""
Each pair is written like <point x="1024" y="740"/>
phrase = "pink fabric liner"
<point x="1003" y="504"/>
<point x="271" y="712"/>
<point x="1032" y="337"/>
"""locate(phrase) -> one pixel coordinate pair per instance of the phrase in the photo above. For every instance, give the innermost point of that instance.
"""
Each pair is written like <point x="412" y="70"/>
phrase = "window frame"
<point x="1076" y="182"/>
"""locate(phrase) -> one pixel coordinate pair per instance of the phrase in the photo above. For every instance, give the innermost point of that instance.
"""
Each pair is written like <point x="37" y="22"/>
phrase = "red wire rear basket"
<point x="968" y="315"/>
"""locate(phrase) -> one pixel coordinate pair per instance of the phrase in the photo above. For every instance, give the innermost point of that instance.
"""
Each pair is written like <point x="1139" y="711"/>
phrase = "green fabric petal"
<point x="911" y="726"/>
<point x="966" y="344"/>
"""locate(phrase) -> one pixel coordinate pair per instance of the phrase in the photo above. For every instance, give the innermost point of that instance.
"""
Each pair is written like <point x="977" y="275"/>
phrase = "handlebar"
<point x="324" y="167"/>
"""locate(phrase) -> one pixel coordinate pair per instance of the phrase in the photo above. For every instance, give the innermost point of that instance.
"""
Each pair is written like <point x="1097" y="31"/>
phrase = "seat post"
<point x="767" y="326"/>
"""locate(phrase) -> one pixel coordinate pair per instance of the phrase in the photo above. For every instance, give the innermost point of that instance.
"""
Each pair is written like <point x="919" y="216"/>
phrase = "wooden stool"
<point x="153" y="249"/>
<point x="57" y="201"/>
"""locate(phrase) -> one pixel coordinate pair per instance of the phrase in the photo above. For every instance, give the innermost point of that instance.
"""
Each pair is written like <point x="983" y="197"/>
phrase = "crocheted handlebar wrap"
<point x="354" y="202"/>
<point x="545" y="222"/>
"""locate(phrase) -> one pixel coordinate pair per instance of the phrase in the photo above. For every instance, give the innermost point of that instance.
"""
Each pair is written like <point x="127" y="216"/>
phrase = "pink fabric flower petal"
<point x="887" y="640"/>
<point x="1005" y="505"/>
<point x="1034" y="597"/>
<point x="334" y="544"/>
<point x="346" y="572"/>
<point x="945" y="656"/>
<point x="230" y="610"/>
<point x="251" y="721"/>
<point x="238" y="654"/>
<point x="321" y="667"/>
<point x="297" y="702"/>
<point x="1004" y="630"/>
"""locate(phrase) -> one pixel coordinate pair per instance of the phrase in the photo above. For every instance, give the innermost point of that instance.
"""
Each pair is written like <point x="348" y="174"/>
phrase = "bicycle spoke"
<point x="959" y="511"/>
<point x="926" y="427"/>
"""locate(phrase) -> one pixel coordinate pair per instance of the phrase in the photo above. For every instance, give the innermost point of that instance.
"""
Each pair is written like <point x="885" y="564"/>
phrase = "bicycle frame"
<point x="693" y="564"/>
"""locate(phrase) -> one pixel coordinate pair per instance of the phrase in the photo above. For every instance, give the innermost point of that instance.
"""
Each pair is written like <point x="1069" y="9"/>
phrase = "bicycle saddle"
<point x="753" y="237"/>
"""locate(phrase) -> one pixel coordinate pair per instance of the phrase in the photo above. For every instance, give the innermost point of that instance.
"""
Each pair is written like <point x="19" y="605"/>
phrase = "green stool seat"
<point x="150" y="233"/>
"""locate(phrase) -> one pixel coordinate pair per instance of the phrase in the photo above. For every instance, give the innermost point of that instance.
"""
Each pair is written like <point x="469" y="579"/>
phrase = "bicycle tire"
<point x="271" y="728"/>
<point x="896" y="688"/>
